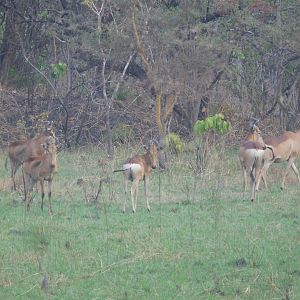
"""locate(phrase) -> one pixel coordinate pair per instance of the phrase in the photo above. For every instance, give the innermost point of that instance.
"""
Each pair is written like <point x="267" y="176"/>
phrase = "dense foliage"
<point x="95" y="66"/>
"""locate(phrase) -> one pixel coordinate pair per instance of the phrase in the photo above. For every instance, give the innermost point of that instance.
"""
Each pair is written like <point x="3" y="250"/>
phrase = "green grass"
<point x="209" y="244"/>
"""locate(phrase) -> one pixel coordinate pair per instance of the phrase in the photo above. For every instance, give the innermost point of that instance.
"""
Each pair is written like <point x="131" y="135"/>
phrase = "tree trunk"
<point x="161" y="145"/>
<point x="7" y="48"/>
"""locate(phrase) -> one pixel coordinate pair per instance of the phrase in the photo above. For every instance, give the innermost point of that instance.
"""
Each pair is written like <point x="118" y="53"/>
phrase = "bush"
<point x="174" y="143"/>
<point x="216" y="123"/>
<point x="122" y="133"/>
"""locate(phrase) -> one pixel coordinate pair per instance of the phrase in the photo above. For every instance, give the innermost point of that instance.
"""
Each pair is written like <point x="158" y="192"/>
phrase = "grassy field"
<point x="202" y="240"/>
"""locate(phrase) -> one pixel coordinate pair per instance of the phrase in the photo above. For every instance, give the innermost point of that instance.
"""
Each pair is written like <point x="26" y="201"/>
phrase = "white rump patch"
<point x="255" y="152"/>
<point x="134" y="167"/>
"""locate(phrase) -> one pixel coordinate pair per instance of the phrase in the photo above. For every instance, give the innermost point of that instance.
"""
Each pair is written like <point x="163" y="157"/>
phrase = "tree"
<point x="107" y="80"/>
<point x="164" y="88"/>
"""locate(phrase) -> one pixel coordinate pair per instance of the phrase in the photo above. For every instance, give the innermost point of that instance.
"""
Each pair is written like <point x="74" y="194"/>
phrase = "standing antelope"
<point x="139" y="168"/>
<point x="252" y="155"/>
<point x="21" y="150"/>
<point x="286" y="147"/>
<point x="41" y="168"/>
<point x="247" y="157"/>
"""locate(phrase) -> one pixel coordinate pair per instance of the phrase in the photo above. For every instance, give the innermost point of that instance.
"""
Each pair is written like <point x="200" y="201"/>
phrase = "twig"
<point x="27" y="290"/>
<point x="99" y="189"/>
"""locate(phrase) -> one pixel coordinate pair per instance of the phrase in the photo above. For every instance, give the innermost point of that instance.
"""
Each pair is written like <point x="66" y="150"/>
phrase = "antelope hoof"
<point x="133" y="210"/>
<point x="252" y="200"/>
<point x="148" y="208"/>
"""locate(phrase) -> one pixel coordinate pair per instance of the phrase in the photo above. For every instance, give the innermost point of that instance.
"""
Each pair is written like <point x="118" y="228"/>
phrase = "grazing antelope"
<point x="285" y="147"/>
<point x="21" y="150"/>
<point x="41" y="168"/>
<point x="139" y="168"/>
<point x="247" y="157"/>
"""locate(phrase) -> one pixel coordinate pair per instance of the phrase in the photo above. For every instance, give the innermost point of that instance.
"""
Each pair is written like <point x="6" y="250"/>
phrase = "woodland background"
<point x="116" y="71"/>
<point x="113" y="74"/>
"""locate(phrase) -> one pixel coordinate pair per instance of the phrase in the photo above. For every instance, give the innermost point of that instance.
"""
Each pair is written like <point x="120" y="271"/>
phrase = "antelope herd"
<point x="38" y="158"/>
<point x="257" y="155"/>
<point x="21" y="150"/>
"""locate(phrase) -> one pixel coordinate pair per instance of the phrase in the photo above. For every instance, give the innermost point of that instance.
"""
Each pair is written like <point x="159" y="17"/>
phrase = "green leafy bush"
<point x="174" y="143"/>
<point x="58" y="70"/>
<point x="216" y="123"/>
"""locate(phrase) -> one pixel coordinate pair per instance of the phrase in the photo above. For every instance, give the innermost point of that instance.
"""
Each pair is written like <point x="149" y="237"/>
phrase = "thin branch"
<point x="137" y="37"/>
<point x="39" y="71"/>
<point x="122" y="76"/>
<point x="104" y="79"/>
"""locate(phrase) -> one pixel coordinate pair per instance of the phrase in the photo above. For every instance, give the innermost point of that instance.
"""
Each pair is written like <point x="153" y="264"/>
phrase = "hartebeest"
<point x="252" y="155"/>
<point x="139" y="168"/>
<point x="285" y="147"/>
<point x="246" y="157"/>
<point x="41" y="168"/>
<point x="21" y="150"/>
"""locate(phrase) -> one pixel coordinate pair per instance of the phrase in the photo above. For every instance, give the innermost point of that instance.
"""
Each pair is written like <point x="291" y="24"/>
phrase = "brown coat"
<point x="139" y="168"/>
<point x="286" y="147"/>
<point x="20" y="151"/>
<point x="41" y="168"/>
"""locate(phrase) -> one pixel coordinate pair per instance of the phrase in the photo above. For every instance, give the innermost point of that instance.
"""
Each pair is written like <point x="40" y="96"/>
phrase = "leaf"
<point x="58" y="70"/>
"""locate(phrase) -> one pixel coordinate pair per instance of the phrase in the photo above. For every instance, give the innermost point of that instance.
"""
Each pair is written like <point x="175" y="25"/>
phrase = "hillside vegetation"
<point x="112" y="71"/>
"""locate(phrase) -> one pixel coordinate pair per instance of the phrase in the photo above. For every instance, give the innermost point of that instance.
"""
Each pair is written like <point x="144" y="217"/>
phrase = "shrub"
<point x="122" y="133"/>
<point x="174" y="143"/>
<point x="215" y="123"/>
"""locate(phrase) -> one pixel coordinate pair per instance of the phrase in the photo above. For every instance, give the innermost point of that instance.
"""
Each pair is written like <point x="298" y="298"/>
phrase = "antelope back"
<point x="253" y="145"/>
<point x="19" y="151"/>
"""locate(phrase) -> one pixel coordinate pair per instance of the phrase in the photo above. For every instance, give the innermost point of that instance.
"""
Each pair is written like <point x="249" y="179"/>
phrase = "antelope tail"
<point x="119" y="170"/>
<point x="271" y="148"/>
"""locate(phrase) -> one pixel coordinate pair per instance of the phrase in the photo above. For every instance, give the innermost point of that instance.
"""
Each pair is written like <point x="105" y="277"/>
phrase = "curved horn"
<point x="253" y="121"/>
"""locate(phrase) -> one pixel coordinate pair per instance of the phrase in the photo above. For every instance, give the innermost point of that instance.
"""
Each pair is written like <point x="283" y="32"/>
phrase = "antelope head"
<point x="50" y="145"/>
<point x="253" y="125"/>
